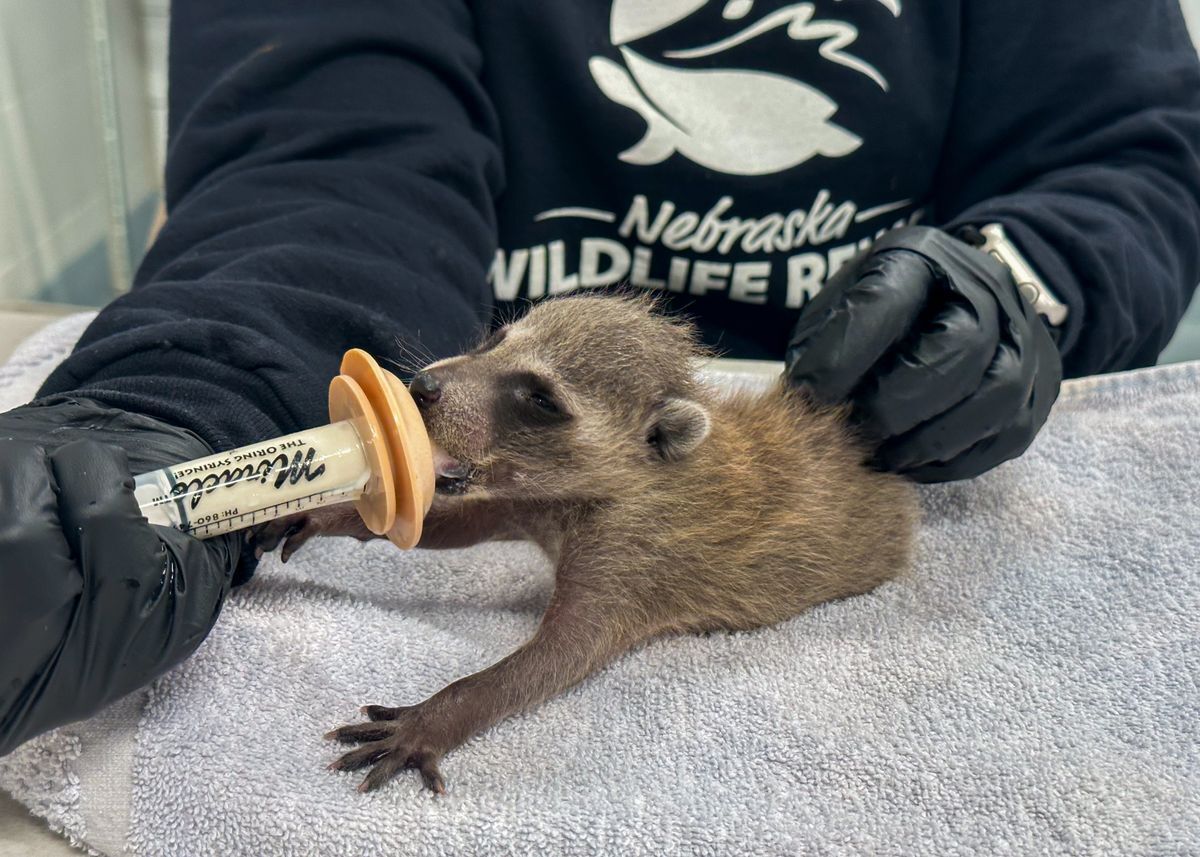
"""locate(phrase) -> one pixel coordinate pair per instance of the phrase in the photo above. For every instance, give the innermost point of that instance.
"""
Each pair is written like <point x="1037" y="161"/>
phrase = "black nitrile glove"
<point x="949" y="370"/>
<point x="94" y="601"/>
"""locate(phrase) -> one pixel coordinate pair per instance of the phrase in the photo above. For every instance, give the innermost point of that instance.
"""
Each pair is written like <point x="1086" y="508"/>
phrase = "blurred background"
<point x="82" y="138"/>
<point x="82" y="132"/>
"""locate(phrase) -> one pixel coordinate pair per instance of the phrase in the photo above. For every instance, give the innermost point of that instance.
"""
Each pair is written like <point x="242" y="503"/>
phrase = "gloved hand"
<point x="949" y="370"/>
<point x="94" y="601"/>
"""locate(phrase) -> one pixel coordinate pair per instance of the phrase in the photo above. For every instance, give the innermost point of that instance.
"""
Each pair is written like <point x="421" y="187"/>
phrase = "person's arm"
<point x="1077" y="127"/>
<point x="330" y="183"/>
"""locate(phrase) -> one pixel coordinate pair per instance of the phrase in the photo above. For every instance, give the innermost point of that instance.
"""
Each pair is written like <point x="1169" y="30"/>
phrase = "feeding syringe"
<point x="374" y="452"/>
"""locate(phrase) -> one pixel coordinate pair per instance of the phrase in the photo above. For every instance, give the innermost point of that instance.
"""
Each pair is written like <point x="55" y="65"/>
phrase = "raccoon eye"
<point x="544" y="402"/>
<point x="536" y="398"/>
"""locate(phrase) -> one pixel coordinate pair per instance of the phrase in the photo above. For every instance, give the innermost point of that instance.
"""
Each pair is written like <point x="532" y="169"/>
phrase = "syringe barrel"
<point x="258" y="483"/>
<point x="375" y="452"/>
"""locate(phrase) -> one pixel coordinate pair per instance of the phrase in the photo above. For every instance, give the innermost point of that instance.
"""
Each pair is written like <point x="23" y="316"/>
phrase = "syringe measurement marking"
<point x="300" y="502"/>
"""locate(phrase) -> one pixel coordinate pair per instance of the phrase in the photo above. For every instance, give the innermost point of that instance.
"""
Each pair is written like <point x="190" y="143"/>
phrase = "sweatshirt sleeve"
<point x="330" y="183"/>
<point x="1077" y="126"/>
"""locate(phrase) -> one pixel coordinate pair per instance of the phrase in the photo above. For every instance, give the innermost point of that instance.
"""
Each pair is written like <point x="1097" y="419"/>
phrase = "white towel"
<point x="1031" y="688"/>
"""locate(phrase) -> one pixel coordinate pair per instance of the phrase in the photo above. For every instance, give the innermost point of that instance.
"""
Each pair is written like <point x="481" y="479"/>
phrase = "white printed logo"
<point x="736" y="121"/>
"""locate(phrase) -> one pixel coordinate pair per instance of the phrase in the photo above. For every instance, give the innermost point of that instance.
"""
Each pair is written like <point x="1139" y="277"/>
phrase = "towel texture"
<point x="1032" y="687"/>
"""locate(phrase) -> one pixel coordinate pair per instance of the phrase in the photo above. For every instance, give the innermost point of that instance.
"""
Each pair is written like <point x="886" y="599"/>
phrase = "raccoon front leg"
<point x="459" y="523"/>
<point x="579" y="632"/>
<point x="453" y="524"/>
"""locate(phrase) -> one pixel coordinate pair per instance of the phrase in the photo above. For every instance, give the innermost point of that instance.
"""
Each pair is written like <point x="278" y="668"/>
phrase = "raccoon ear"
<point x="677" y="426"/>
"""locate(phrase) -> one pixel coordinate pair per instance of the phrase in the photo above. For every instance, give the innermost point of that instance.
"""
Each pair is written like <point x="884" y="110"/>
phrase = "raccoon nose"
<point x="425" y="389"/>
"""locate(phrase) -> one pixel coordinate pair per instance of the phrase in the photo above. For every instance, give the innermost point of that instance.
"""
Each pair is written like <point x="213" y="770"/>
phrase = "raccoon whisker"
<point x="406" y="367"/>
<point x="414" y="354"/>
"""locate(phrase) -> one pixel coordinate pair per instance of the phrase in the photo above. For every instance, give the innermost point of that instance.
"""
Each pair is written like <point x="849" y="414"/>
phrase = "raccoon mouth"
<point x="453" y="477"/>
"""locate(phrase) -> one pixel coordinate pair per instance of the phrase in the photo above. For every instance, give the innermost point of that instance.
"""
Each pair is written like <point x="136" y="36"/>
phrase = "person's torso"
<point x="730" y="154"/>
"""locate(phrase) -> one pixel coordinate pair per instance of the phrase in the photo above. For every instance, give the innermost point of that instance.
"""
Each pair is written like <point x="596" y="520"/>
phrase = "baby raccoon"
<point x="667" y="507"/>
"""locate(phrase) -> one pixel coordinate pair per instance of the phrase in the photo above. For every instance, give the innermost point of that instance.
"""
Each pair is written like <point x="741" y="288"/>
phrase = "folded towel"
<point x="1030" y="688"/>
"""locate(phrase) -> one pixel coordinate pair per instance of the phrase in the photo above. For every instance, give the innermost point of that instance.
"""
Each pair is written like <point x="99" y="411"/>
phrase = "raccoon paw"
<point x="395" y="739"/>
<point x="290" y="532"/>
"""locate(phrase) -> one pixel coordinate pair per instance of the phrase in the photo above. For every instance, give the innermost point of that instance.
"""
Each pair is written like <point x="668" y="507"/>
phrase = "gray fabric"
<point x="1030" y="688"/>
<point x="104" y="768"/>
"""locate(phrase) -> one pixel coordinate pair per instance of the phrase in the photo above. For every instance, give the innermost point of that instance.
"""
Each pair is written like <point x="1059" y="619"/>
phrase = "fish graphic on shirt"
<point x="735" y="121"/>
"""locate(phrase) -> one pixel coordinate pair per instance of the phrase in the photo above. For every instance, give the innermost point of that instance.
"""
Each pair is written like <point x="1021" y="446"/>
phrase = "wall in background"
<point x="156" y="19"/>
<point x="78" y="157"/>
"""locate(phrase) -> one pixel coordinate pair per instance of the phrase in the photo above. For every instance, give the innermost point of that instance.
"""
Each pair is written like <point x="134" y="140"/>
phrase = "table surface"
<point x="17" y="325"/>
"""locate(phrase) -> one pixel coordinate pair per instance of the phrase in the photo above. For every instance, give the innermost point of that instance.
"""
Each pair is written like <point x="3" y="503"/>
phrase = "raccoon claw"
<point x="294" y="531"/>
<point x="291" y="532"/>
<point x="395" y="739"/>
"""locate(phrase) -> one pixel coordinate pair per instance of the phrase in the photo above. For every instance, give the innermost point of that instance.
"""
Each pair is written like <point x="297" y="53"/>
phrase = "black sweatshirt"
<point x="386" y="173"/>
